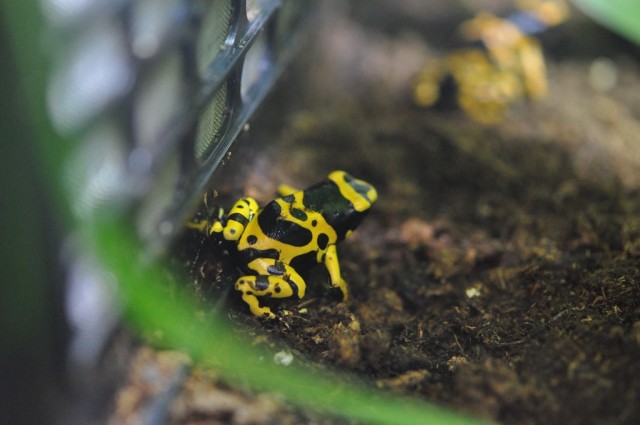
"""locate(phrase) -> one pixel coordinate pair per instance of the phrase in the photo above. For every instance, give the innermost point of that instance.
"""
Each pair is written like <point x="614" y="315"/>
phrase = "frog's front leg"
<point x="274" y="279"/>
<point x="333" y="267"/>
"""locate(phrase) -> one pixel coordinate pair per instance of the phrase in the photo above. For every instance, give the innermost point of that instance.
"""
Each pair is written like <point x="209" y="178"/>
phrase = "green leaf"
<point x="621" y="16"/>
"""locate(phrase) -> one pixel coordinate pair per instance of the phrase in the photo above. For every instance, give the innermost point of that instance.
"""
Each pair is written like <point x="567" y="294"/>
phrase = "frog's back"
<point x="284" y="231"/>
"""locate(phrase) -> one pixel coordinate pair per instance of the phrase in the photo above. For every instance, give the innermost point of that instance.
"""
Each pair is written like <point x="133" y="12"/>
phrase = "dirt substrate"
<point x="498" y="273"/>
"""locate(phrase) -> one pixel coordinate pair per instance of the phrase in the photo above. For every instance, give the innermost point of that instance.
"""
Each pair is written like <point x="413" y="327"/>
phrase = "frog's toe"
<point x="342" y="285"/>
<point x="269" y="315"/>
<point x="257" y="310"/>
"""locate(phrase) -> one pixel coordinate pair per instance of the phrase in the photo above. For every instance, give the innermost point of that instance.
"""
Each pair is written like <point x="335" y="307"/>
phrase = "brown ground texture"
<point x="497" y="274"/>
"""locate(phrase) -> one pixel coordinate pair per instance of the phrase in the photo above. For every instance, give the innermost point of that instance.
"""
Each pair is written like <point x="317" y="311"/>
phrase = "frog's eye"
<point x="360" y="193"/>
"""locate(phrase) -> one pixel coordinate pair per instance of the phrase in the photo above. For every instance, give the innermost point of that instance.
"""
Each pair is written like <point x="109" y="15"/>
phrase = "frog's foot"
<point x="342" y="286"/>
<point x="333" y="267"/>
<point x="274" y="286"/>
<point x="245" y="285"/>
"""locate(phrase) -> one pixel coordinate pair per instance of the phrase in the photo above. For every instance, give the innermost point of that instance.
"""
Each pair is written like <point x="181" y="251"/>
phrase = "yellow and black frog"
<point x="291" y="233"/>
<point x="502" y="64"/>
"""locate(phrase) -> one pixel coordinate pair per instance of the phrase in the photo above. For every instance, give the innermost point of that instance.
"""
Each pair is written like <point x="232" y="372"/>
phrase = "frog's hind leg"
<point x="274" y="279"/>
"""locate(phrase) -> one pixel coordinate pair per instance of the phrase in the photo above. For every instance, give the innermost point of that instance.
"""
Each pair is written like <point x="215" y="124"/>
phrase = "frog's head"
<point x="360" y="193"/>
<point x="360" y="196"/>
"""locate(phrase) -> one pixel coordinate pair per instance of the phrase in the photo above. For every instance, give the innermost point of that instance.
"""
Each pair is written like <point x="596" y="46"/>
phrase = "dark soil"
<point x="498" y="272"/>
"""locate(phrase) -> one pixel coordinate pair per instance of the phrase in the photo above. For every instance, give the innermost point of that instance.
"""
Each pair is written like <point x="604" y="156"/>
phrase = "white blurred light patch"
<point x="158" y="200"/>
<point x="159" y="100"/>
<point x="153" y="20"/>
<point x="96" y="173"/>
<point x="254" y="8"/>
<point x="96" y="72"/>
<point x="256" y="63"/>
<point x="92" y="310"/>
<point x="66" y="12"/>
